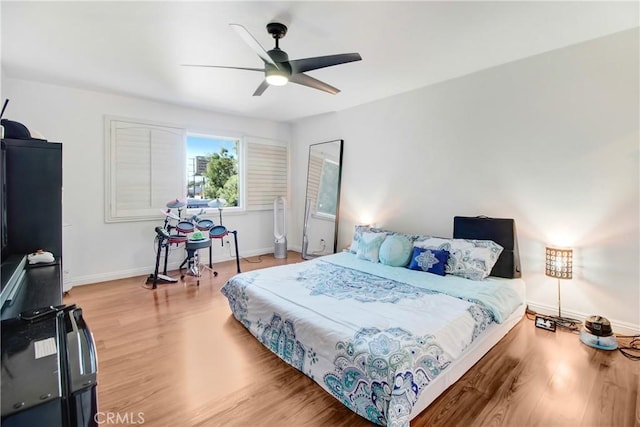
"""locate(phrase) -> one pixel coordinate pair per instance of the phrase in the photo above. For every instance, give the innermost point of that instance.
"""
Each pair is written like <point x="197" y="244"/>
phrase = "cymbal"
<point x="217" y="203"/>
<point x="170" y="215"/>
<point x="173" y="204"/>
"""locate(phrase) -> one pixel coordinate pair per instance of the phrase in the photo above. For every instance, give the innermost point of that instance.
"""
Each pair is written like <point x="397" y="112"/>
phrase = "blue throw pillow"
<point x="396" y="251"/>
<point x="429" y="260"/>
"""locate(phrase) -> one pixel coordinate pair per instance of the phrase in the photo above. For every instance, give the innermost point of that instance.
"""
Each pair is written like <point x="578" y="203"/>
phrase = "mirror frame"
<point x="307" y="209"/>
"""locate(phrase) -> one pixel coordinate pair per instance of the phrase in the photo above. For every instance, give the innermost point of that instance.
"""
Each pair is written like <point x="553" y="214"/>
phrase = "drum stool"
<point x="192" y="262"/>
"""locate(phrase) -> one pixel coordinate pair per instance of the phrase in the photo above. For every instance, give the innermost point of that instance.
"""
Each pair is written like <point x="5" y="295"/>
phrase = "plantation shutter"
<point x="145" y="168"/>
<point x="267" y="171"/>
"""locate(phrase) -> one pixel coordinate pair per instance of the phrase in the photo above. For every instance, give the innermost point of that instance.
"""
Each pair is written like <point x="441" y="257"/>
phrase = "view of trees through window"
<point x="212" y="170"/>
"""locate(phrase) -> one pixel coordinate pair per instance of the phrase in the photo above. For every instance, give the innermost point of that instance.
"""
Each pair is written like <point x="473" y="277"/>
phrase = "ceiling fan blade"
<point x="308" y="64"/>
<point x="222" y="66"/>
<point x="263" y="86"/>
<point x="305" y="80"/>
<point x="253" y="44"/>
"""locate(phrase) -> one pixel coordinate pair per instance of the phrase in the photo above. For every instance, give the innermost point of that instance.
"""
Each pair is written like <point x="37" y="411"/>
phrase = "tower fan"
<point x="305" y="227"/>
<point x="280" y="227"/>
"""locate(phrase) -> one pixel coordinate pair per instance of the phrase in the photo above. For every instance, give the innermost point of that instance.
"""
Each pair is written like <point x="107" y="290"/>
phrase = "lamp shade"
<point x="559" y="263"/>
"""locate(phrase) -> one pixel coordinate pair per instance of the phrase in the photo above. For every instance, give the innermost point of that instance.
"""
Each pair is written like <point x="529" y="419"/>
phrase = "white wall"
<point x="551" y="141"/>
<point x="99" y="251"/>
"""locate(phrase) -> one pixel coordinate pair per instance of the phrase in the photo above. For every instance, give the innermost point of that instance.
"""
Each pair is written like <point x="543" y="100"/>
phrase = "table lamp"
<point x="559" y="264"/>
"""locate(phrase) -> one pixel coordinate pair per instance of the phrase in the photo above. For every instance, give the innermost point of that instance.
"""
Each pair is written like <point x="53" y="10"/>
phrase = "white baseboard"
<point x="142" y="271"/>
<point x="619" y="327"/>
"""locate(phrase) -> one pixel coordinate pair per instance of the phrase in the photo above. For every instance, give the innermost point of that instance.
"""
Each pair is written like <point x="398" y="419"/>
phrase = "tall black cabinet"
<point x="32" y="220"/>
<point x="34" y="196"/>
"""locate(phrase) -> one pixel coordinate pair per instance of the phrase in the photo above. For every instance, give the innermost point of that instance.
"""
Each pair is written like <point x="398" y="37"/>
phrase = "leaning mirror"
<point x="322" y="206"/>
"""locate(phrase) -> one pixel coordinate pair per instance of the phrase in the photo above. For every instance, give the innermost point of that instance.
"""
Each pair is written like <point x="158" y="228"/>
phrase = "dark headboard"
<point x="500" y="230"/>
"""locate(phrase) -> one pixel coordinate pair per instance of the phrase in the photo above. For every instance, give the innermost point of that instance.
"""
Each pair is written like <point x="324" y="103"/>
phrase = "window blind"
<point x="267" y="172"/>
<point x="313" y="181"/>
<point x="145" y="168"/>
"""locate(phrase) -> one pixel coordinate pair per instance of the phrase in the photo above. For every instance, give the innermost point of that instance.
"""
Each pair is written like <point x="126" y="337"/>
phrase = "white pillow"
<point x="357" y="236"/>
<point x="472" y="259"/>
<point x="369" y="246"/>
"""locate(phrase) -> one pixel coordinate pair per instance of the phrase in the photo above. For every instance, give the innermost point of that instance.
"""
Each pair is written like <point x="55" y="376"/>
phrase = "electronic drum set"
<point x="194" y="233"/>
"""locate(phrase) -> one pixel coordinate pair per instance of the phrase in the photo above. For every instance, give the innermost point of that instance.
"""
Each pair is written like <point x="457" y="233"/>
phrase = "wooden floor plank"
<point x="177" y="356"/>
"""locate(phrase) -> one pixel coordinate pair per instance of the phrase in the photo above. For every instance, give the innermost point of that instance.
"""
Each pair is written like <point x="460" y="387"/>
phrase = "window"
<point x="212" y="170"/>
<point x="148" y="164"/>
<point x="215" y="167"/>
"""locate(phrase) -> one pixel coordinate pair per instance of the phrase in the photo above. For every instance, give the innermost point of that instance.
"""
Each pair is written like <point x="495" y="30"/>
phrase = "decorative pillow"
<point x="472" y="259"/>
<point x="357" y="236"/>
<point x="429" y="260"/>
<point x="364" y="229"/>
<point x="369" y="246"/>
<point x="396" y="250"/>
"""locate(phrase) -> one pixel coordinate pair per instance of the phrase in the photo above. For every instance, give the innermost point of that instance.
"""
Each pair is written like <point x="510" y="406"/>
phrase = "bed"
<point x="383" y="339"/>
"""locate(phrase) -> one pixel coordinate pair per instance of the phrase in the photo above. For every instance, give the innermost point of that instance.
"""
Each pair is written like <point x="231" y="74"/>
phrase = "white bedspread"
<point x="371" y="335"/>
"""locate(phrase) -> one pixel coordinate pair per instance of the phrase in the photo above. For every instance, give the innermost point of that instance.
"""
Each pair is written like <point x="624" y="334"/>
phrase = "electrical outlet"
<point x="321" y="247"/>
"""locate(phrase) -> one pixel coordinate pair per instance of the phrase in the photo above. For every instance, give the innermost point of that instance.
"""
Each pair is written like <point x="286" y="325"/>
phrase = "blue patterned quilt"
<point x="373" y="336"/>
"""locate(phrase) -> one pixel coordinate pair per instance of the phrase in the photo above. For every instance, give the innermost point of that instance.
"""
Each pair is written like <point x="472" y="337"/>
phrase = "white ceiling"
<point x="136" y="48"/>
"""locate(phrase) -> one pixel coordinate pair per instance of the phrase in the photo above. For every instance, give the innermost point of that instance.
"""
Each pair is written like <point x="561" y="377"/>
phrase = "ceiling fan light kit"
<point x="276" y="77"/>
<point x="278" y="70"/>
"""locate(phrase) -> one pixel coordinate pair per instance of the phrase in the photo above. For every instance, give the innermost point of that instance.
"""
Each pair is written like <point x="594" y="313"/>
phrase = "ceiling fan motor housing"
<point x="278" y="56"/>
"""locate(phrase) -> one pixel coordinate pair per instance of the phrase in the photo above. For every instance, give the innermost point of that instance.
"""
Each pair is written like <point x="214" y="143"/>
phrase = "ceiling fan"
<point x="278" y="70"/>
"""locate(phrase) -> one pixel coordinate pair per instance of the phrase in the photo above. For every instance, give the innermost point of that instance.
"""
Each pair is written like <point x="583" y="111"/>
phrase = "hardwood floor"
<point x="177" y="357"/>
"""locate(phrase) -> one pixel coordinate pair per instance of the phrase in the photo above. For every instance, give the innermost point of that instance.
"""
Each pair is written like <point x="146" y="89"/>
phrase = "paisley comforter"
<point x="373" y="336"/>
